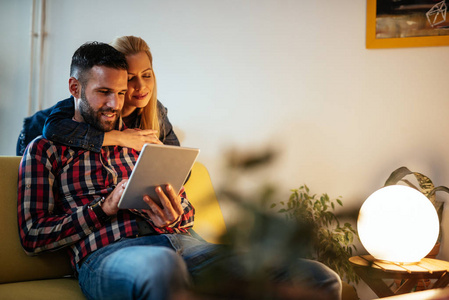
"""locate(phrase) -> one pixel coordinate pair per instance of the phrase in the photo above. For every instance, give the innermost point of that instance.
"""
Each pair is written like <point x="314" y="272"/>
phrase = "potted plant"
<point x="270" y="238"/>
<point x="425" y="186"/>
<point x="332" y="241"/>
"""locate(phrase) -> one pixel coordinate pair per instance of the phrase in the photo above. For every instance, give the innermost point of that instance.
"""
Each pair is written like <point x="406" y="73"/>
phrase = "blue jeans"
<point x="149" y="267"/>
<point x="159" y="266"/>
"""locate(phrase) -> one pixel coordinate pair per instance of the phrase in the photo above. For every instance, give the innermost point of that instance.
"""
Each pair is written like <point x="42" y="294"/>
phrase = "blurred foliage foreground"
<point x="273" y="233"/>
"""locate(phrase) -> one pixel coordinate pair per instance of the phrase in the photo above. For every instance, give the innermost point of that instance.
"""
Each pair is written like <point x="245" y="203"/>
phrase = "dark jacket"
<point x="55" y="124"/>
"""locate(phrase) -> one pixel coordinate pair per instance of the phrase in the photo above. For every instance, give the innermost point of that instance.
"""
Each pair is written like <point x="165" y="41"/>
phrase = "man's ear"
<point x="74" y="87"/>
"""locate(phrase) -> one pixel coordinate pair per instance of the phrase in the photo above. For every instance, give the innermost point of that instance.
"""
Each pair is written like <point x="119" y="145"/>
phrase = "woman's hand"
<point x="170" y="210"/>
<point x="132" y="138"/>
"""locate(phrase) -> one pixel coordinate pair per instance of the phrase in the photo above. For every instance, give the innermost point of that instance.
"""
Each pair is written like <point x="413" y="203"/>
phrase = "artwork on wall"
<point x="407" y="23"/>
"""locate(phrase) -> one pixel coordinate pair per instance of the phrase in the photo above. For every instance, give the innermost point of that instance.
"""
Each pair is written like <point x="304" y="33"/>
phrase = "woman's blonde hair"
<point x="130" y="45"/>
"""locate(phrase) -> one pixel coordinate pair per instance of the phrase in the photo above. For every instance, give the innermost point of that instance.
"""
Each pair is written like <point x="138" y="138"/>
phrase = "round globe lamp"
<point x="398" y="223"/>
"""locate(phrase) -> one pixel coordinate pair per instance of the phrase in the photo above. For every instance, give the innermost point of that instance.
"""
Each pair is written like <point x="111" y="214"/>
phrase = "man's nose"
<point x="115" y="102"/>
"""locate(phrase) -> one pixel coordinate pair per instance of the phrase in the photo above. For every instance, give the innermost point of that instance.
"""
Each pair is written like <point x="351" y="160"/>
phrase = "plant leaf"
<point x="425" y="183"/>
<point x="438" y="189"/>
<point x="397" y="175"/>
<point x="406" y="181"/>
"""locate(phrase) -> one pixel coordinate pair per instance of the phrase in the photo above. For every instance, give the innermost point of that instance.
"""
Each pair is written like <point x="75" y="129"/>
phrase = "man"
<point x="68" y="198"/>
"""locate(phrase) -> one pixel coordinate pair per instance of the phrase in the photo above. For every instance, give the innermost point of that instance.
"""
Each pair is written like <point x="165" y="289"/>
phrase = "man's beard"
<point x="93" y="117"/>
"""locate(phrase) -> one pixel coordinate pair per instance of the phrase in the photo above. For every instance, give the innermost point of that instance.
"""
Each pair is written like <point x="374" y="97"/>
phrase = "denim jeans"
<point x="160" y="266"/>
<point x="149" y="267"/>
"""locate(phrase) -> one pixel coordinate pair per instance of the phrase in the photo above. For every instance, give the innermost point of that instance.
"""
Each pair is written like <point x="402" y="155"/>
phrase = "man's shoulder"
<point x="40" y="155"/>
<point x="41" y="151"/>
<point x="40" y="145"/>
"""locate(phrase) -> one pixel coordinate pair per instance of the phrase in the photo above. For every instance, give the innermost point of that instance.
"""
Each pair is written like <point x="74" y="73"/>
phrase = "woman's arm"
<point x="60" y="127"/>
<point x="136" y="138"/>
<point x="132" y="138"/>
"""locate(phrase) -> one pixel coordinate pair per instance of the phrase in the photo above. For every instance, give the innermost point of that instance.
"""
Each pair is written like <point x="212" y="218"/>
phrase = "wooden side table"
<point x="374" y="272"/>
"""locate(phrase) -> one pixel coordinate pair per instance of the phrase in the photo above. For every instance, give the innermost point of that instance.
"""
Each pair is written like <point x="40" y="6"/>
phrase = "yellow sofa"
<point x="49" y="276"/>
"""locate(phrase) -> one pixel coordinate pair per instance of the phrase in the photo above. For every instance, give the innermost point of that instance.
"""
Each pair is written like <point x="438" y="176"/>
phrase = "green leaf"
<point x="332" y="241"/>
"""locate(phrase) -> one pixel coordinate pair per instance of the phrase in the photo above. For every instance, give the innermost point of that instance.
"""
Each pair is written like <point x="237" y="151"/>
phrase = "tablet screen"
<point x="157" y="165"/>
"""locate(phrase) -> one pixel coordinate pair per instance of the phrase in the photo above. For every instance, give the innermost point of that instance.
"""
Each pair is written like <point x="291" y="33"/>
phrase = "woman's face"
<point x="140" y="82"/>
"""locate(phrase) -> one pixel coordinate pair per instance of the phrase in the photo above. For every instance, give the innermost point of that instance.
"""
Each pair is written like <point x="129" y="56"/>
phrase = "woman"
<point x="141" y="110"/>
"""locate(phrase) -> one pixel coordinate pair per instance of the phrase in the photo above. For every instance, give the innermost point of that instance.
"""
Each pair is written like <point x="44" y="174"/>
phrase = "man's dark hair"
<point x="95" y="54"/>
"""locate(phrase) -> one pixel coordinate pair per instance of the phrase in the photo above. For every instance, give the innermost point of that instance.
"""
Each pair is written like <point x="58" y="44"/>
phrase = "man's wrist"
<point x="99" y="212"/>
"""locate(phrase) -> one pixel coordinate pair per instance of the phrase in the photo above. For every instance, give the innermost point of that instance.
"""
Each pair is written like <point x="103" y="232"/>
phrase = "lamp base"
<point x="375" y="273"/>
<point x="423" y="284"/>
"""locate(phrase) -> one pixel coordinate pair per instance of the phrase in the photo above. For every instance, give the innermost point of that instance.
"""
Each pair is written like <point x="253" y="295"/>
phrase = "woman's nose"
<point x="139" y="84"/>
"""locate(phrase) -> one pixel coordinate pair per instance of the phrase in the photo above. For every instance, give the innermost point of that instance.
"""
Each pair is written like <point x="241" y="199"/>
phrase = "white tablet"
<point x="157" y="165"/>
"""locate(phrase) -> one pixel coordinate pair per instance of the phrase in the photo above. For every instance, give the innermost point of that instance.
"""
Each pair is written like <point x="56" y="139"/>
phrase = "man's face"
<point x="102" y="97"/>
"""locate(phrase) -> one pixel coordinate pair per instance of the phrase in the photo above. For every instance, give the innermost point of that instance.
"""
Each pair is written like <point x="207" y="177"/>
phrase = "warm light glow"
<point x="398" y="223"/>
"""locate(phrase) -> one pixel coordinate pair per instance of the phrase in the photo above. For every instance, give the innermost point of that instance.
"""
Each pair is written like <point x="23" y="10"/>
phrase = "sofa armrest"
<point x="209" y="222"/>
<point x="15" y="265"/>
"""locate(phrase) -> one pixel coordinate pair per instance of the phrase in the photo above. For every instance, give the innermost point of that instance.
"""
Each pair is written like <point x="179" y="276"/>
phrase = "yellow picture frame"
<point x="372" y="42"/>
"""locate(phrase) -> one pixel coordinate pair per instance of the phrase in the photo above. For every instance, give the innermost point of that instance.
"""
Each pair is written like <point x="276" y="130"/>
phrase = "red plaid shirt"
<point x="58" y="183"/>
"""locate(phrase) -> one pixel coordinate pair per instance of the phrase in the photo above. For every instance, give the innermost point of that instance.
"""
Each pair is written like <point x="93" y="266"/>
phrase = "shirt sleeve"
<point x="59" y="127"/>
<point x="42" y="226"/>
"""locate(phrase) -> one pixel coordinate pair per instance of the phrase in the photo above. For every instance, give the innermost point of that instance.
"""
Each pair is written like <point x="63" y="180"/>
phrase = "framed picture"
<point x="406" y="23"/>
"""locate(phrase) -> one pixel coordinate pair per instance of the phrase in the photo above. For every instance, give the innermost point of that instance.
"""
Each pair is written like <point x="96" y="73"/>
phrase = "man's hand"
<point x="110" y="204"/>
<point x="170" y="211"/>
<point x="132" y="138"/>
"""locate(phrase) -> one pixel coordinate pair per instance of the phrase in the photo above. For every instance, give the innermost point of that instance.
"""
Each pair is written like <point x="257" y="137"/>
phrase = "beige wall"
<point x="247" y="74"/>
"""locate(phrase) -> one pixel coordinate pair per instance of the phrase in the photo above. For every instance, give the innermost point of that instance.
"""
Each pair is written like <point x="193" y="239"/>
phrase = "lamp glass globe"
<point x="398" y="223"/>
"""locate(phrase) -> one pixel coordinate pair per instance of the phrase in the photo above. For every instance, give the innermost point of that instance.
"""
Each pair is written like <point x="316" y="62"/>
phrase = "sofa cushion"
<point x="49" y="289"/>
